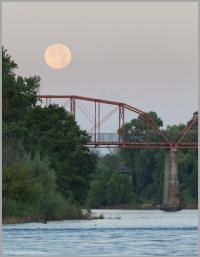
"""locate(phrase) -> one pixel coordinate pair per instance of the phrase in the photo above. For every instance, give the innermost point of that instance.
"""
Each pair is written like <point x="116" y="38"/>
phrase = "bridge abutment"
<point x="170" y="194"/>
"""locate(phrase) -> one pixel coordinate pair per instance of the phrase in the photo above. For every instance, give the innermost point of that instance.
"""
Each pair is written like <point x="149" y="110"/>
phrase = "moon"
<point x="57" y="56"/>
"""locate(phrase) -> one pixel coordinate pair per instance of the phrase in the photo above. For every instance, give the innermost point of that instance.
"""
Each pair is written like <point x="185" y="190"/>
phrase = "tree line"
<point x="46" y="166"/>
<point x="50" y="173"/>
<point x="136" y="176"/>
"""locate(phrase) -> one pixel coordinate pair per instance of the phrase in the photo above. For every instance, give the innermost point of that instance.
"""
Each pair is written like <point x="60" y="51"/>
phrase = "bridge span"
<point x="147" y="135"/>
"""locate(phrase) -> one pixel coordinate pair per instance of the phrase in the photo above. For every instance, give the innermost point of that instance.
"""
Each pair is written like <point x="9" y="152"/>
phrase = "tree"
<point x="18" y="94"/>
<point x="43" y="148"/>
<point x="110" y="185"/>
<point x="135" y="130"/>
<point x="119" y="189"/>
<point x="20" y="186"/>
<point x="147" y="165"/>
<point x="64" y="143"/>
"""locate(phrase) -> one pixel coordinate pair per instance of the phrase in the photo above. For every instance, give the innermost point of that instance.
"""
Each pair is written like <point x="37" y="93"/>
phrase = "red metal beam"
<point x="160" y="131"/>
<point x="132" y="147"/>
<point x="104" y="119"/>
<point x="99" y="120"/>
<point x="122" y="107"/>
<point x="95" y="125"/>
<point x="119" y="129"/>
<point x="81" y="98"/>
<point x="123" y="135"/>
<point x="188" y="127"/>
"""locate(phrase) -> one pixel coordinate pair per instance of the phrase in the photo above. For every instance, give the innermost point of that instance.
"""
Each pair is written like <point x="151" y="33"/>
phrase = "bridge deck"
<point x="114" y="140"/>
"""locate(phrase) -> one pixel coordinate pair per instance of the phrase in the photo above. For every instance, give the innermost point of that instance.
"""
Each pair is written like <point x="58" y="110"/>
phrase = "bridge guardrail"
<point x="105" y="137"/>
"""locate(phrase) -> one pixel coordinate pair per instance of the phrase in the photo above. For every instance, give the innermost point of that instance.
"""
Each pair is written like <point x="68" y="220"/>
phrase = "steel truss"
<point x="121" y="141"/>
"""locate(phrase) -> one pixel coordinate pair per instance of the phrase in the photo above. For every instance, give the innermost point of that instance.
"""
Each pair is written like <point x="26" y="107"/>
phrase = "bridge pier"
<point x="170" y="194"/>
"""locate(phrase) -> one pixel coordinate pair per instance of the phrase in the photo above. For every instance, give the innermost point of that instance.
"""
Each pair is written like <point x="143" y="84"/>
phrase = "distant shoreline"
<point x="146" y="206"/>
<point x="20" y="220"/>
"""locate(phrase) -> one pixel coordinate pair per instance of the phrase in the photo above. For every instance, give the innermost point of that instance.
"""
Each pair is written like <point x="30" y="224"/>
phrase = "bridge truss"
<point x="147" y="135"/>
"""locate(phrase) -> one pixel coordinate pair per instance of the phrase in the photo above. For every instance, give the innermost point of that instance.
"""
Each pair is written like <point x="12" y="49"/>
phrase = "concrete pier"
<point x="170" y="194"/>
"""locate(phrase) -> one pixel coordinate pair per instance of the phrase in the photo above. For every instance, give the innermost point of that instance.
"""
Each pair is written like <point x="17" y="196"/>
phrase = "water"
<point x="122" y="232"/>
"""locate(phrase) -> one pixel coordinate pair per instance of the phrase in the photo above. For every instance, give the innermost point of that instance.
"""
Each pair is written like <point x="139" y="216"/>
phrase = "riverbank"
<point x="88" y="215"/>
<point x="19" y="220"/>
<point x="85" y="215"/>
<point x="145" y="206"/>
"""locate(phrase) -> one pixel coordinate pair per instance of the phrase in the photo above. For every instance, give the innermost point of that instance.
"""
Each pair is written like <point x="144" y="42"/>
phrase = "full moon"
<point x="57" y="56"/>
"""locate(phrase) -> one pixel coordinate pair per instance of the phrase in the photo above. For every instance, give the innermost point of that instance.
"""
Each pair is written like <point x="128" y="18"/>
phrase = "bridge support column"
<point x="170" y="194"/>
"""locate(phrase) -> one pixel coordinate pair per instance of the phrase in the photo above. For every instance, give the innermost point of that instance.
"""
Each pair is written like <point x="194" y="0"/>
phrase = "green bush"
<point x="110" y="186"/>
<point x="29" y="190"/>
<point x="19" y="185"/>
<point x="10" y="208"/>
<point x="119" y="189"/>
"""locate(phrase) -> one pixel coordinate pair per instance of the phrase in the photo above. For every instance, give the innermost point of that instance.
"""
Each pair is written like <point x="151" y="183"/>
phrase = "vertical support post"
<point x="170" y="193"/>
<point x="143" y="123"/>
<point x="71" y="99"/>
<point x="95" y="120"/>
<point x="147" y="130"/>
<point x="123" y="127"/>
<point x="46" y="101"/>
<point x="72" y="107"/>
<point x="119" y="131"/>
<point x="99" y="121"/>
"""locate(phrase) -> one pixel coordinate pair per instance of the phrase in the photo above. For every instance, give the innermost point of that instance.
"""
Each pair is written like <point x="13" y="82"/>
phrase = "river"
<point x="120" y="233"/>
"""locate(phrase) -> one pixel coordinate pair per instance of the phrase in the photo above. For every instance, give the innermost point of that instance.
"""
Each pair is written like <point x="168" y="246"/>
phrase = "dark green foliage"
<point x="29" y="189"/>
<point x="61" y="139"/>
<point x="187" y="164"/>
<point x="19" y="185"/>
<point x="18" y="94"/>
<point x="188" y="175"/>
<point x="146" y="167"/>
<point x="46" y="166"/>
<point x="110" y="186"/>
<point x="119" y="189"/>
<point x="12" y="208"/>
<point x="135" y="130"/>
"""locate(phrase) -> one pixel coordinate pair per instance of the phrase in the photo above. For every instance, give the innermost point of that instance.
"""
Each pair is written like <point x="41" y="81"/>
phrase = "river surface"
<point x="121" y="233"/>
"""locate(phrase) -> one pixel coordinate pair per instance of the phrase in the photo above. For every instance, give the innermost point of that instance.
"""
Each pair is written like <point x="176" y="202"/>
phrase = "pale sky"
<point x="143" y="54"/>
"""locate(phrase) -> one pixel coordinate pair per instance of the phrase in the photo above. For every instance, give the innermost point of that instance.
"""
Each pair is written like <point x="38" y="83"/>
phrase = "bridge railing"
<point x="105" y="137"/>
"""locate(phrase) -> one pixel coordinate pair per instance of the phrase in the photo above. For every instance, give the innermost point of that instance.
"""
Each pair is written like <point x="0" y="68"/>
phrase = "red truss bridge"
<point x="145" y="134"/>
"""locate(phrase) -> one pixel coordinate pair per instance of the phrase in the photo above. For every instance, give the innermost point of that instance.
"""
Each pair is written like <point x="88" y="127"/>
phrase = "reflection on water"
<point x="122" y="232"/>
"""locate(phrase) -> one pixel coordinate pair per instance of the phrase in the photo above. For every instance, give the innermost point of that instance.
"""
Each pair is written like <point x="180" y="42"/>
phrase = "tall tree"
<point x="64" y="142"/>
<point x="50" y="131"/>
<point x="18" y="94"/>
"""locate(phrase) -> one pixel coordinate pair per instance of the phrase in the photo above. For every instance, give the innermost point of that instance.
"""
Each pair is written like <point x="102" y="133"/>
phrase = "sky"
<point x="143" y="54"/>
